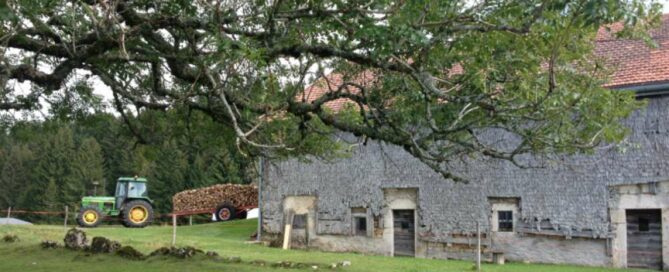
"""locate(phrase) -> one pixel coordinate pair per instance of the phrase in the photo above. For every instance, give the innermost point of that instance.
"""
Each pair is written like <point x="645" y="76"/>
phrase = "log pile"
<point x="209" y="198"/>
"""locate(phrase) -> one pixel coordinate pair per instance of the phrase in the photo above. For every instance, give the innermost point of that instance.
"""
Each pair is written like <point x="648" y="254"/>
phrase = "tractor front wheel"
<point x="137" y="214"/>
<point x="89" y="217"/>
<point x="225" y="212"/>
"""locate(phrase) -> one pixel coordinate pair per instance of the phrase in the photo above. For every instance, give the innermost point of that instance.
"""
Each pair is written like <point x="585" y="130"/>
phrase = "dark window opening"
<point x="644" y="224"/>
<point x="505" y="221"/>
<point x="360" y="226"/>
<point x="359" y="220"/>
<point x="300" y="221"/>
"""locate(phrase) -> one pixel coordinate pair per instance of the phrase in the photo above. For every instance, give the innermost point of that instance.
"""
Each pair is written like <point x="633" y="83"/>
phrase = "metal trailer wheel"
<point x="225" y="212"/>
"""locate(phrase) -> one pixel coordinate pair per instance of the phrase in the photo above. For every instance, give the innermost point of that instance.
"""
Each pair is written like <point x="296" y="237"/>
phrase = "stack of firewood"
<point x="209" y="198"/>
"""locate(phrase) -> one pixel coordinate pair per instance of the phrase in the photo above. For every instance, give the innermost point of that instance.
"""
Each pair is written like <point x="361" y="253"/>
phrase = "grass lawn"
<point x="225" y="238"/>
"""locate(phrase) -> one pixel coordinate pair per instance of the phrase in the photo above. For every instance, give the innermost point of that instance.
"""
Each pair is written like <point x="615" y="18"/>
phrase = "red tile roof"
<point x="634" y="63"/>
<point x="331" y="83"/>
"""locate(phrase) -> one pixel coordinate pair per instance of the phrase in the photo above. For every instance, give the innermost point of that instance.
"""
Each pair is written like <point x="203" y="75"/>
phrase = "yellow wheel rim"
<point x="138" y="214"/>
<point x="90" y="217"/>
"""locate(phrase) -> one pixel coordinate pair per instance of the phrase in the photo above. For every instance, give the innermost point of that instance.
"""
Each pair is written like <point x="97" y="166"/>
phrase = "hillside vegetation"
<point x="47" y="164"/>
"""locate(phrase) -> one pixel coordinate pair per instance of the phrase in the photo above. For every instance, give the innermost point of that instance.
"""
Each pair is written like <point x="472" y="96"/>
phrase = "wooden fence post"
<point x="478" y="246"/>
<point x="174" y="229"/>
<point x="66" y="215"/>
<point x="260" y="179"/>
<point x="190" y="220"/>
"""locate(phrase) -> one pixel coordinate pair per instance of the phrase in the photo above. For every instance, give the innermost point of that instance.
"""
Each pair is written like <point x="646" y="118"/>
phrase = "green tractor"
<point x="131" y="202"/>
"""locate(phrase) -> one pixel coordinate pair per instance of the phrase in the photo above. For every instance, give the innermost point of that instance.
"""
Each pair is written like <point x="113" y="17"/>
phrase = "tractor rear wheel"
<point x="89" y="217"/>
<point x="137" y="214"/>
<point x="225" y="212"/>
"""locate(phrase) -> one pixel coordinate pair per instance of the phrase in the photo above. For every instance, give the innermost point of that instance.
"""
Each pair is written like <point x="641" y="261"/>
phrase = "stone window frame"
<point x="358" y="213"/>
<point x="504" y="204"/>
<point x="300" y="205"/>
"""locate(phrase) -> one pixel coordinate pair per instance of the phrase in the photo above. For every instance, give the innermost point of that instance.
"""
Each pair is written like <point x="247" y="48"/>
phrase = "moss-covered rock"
<point x="48" y="244"/>
<point x="76" y="239"/>
<point x="130" y="253"/>
<point x="211" y="254"/>
<point x="163" y="251"/>
<point x="259" y="262"/>
<point x="179" y="252"/>
<point x="104" y="245"/>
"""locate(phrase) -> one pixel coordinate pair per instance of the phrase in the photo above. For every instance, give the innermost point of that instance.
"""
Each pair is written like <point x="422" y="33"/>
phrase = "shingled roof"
<point x="634" y="64"/>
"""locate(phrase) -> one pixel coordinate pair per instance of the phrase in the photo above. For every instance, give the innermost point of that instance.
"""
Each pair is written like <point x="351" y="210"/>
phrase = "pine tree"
<point x="50" y="199"/>
<point x="16" y="168"/>
<point x="58" y="156"/>
<point x="88" y="166"/>
<point x="167" y="175"/>
<point x="50" y="195"/>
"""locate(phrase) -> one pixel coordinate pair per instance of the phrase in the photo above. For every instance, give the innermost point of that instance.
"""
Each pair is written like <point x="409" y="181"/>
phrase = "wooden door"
<point x="404" y="237"/>
<point x="644" y="239"/>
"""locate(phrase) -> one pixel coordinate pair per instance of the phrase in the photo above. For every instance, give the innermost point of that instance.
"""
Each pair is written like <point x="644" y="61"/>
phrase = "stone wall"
<point x="567" y="197"/>
<point x="653" y="195"/>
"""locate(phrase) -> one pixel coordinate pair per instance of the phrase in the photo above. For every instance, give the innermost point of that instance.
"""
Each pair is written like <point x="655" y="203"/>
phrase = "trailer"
<point x="225" y="212"/>
<point x="224" y="201"/>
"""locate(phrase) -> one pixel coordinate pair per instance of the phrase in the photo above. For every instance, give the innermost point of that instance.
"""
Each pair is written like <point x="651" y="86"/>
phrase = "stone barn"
<point x="607" y="209"/>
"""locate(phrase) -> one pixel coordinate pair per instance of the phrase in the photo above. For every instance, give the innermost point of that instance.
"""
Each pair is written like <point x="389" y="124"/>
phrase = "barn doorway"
<point x="644" y="238"/>
<point x="404" y="233"/>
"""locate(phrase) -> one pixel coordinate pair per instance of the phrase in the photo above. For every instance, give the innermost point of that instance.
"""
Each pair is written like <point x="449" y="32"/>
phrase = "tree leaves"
<point x="447" y="70"/>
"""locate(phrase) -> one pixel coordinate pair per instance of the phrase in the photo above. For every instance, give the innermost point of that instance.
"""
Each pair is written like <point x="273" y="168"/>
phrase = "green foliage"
<point x="447" y="74"/>
<point x="88" y="164"/>
<point x="167" y="175"/>
<point x="16" y="168"/>
<point x="50" y="196"/>
<point x="52" y="163"/>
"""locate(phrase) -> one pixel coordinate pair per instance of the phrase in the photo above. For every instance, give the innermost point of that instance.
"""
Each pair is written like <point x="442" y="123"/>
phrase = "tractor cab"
<point x="130" y="188"/>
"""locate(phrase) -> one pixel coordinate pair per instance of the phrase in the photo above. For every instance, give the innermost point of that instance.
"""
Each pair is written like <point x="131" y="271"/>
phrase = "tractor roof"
<point x="135" y="179"/>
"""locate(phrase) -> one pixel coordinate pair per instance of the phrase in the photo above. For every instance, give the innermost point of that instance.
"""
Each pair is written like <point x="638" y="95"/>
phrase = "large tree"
<point x="439" y="74"/>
